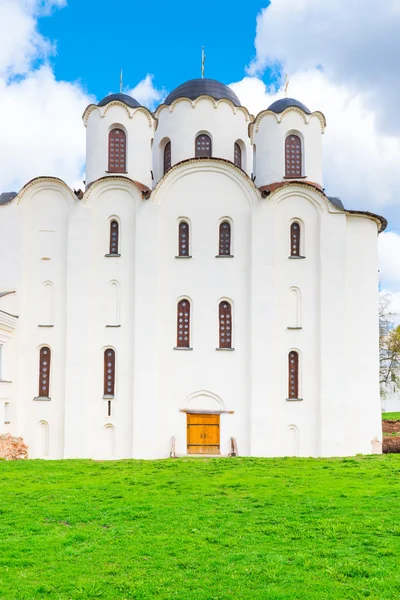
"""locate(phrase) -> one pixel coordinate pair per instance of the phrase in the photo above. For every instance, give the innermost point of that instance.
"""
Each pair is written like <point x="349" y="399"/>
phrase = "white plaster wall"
<point x="269" y="137"/>
<point x="138" y="126"/>
<point x="339" y="413"/>
<point x="362" y="335"/>
<point x="204" y="194"/>
<point x="184" y="120"/>
<point x="391" y="400"/>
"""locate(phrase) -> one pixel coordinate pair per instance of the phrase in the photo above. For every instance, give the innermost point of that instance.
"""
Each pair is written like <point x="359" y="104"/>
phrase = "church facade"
<point x="202" y="295"/>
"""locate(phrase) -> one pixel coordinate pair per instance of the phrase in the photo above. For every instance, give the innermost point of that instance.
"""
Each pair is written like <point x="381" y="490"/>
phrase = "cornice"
<point x="215" y="103"/>
<point x="103" y="110"/>
<point x="279" y="117"/>
<point x="207" y="164"/>
<point x="126" y="182"/>
<point x="49" y="183"/>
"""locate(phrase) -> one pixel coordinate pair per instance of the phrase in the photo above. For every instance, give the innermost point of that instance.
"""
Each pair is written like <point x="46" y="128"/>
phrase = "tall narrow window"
<point x="109" y="372"/>
<point x="225" y="239"/>
<point x="183" y="239"/>
<point x="203" y="146"/>
<point x="117" y="151"/>
<point x="44" y="372"/>
<point x="293" y="156"/>
<point x="225" y="325"/>
<point x="238" y="155"/>
<point x="167" y="157"/>
<point x="114" y="237"/>
<point x="183" y="324"/>
<point x="293" y="374"/>
<point x="295" y="239"/>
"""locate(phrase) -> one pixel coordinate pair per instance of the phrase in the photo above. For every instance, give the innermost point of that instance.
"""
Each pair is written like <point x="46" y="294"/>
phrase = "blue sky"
<point x="162" y="38"/>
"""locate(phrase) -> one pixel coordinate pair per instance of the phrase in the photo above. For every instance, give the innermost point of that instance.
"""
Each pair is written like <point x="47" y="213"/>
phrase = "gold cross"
<point x="203" y="60"/>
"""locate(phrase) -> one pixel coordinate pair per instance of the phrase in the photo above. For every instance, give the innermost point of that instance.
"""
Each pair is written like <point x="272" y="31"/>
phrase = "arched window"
<point x="183" y="324"/>
<point x="293" y="156"/>
<point x="293" y="374"/>
<point x="117" y="151"/>
<point x="167" y="157"/>
<point x="203" y="146"/>
<point x="109" y="372"/>
<point x="184" y="233"/>
<point x="225" y="239"/>
<point x="225" y="324"/>
<point x="238" y="155"/>
<point x="114" y="237"/>
<point x="44" y="372"/>
<point x="295" y="239"/>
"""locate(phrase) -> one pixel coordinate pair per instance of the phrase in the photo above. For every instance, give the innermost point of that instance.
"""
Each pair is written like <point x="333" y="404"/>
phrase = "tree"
<point x="389" y="345"/>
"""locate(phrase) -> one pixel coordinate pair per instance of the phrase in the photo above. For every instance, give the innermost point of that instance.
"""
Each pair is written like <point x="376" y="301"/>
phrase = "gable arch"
<point x="213" y="165"/>
<point x="204" y="400"/>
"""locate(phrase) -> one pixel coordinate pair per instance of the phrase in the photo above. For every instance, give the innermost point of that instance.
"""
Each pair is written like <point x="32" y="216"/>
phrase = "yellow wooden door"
<point x="202" y="434"/>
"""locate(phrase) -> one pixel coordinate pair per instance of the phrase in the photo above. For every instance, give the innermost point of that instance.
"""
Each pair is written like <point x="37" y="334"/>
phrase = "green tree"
<point x="389" y="345"/>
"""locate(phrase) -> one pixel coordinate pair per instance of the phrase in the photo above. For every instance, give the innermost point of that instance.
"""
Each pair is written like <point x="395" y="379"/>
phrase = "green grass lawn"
<point x="391" y="415"/>
<point x="201" y="529"/>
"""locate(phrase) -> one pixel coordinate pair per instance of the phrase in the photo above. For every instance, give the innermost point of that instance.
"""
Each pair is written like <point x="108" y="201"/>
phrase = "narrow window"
<point x="44" y="372"/>
<point x="183" y="249"/>
<point x="293" y="156"/>
<point x="167" y="157"/>
<point x="117" y="151"/>
<point x="238" y="155"/>
<point x="203" y="146"/>
<point x="183" y="324"/>
<point x="109" y="372"/>
<point x="109" y="408"/>
<point x="114" y="237"/>
<point x="225" y="239"/>
<point x="225" y="325"/>
<point x="295" y="239"/>
<point x="293" y="374"/>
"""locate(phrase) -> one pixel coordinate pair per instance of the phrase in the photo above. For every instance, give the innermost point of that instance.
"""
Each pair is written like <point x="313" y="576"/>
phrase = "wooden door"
<point x="202" y="434"/>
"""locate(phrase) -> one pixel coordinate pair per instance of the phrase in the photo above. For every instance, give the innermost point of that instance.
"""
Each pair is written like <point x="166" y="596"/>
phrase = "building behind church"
<point x="202" y="295"/>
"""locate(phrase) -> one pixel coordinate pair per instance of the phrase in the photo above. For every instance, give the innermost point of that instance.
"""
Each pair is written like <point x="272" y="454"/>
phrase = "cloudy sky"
<point x="342" y="56"/>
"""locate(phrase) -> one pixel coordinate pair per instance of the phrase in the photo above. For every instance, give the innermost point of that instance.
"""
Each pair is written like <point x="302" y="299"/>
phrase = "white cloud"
<point x="389" y="258"/>
<point x="146" y="93"/>
<point x="355" y="43"/>
<point x="40" y="118"/>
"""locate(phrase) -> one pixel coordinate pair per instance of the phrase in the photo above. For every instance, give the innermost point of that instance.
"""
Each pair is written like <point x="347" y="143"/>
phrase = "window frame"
<point x="288" y="174"/>
<point x="236" y="162"/>
<point x="111" y="252"/>
<point x="181" y="344"/>
<point x="224" y="344"/>
<point x="167" y="145"/>
<point x="106" y="385"/>
<point x="201" y="154"/>
<point x="118" y="169"/>
<point x="220" y="226"/>
<point x="180" y="254"/>
<point x="44" y="393"/>
<point x="295" y="371"/>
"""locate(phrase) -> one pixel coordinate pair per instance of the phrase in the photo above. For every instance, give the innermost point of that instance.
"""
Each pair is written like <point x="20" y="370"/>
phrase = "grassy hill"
<point x="201" y="529"/>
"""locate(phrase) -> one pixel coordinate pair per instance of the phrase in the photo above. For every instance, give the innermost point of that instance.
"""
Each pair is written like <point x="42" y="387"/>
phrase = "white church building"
<point x="202" y="295"/>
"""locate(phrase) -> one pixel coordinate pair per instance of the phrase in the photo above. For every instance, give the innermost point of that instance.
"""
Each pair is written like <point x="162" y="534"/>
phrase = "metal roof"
<point x="7" y="197"/>
<point x="337" y="202"/>
<point x="280" y="105"/>
<point x="194" y="88"/>
<point x="125" y="98"/>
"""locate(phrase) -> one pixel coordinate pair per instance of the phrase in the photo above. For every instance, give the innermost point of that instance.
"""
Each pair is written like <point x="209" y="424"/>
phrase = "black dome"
<point x="122" y="98"/>
<point x="202" y="87"/>
<point x="279" y="105"/>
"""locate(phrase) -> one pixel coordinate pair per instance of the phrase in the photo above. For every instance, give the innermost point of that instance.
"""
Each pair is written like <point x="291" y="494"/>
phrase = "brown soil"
<point x="391" y="443"/>
<point x="390" y="426"/>
<point x="12" y="448"/>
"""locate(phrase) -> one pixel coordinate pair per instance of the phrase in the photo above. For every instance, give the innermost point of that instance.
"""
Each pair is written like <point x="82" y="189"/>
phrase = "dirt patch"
<point x="390" y="426"/>
<point x="12" y="448"/>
